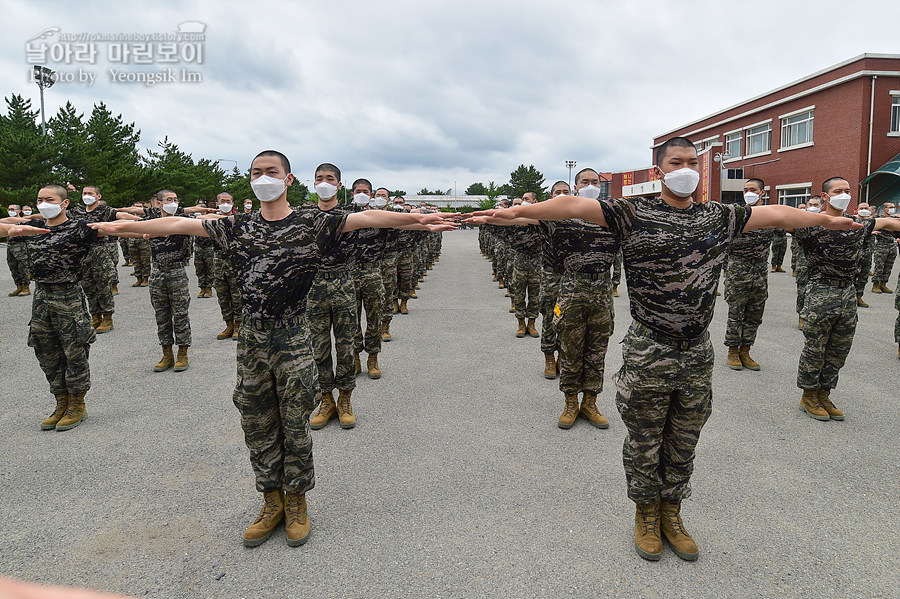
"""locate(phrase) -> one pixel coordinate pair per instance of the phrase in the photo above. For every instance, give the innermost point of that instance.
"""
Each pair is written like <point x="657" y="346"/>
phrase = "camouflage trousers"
<point x="405" y="280"/>
<point x="125" y="245"/>
<point x="204" y="265"/>
<point x="227" y="293"/>
<point x="389" y="279"/>
<point x="885" y="254"/>
<point x="550" y="280"/>
<point x="526" y="280"/>
<point x="171" y="298"/>
<point x="664" y="397"/>
<point x="829" y="323"/>
<point x="795" y="247"/>
<point x="865" y="266"/>
<point x="276" y="392"/>
<point x="418" y="256"/>
<point x="97" y="279"/>
<point x="61" y="334"/>
<point x="369" y="295"/>
<point x="617" y="269"/>
<point x="331" y="305"/>
<point x="586" y="321"/>
<point x="140" y="257"/>
<point x="504" y="267"/>
<point x="802" y="281"/>
<point x="19" y="264"/>
<point x="113" y="248"/>
<point x="779" y="249"/>
<point x="746" y="297"/>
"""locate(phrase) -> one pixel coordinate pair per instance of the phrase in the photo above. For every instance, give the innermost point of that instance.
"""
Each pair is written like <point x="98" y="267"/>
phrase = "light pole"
<point x="44" y="78"/>
<point x="570" y="164"/>
<point x="721" y="158"/>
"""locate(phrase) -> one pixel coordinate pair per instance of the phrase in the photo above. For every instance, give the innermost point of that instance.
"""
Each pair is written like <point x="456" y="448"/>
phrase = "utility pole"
<point x="570" y="164"/>
<point x="44" y="78"/>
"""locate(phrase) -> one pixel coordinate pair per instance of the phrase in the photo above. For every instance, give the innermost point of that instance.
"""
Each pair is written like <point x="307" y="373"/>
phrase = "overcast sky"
<point x="422" y="94"/>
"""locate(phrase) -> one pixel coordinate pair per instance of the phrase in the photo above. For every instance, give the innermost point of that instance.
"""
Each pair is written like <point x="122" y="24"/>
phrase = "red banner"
<point x="627" y="179"/>
<point x="704" y="185"/>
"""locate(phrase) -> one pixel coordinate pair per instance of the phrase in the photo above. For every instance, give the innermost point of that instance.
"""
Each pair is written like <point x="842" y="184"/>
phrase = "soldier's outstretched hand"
<point x="839" y="223"/>
<point x="23" y="230"/>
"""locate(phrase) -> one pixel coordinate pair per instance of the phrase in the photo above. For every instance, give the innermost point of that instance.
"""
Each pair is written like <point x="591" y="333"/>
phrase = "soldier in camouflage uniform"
<point x="829" y="312"/>
<point x="673" y="252"/>
<point x="140" y="256"/>
<point x="526" y="273"/>
<point x="276" y="253"/>
<point x="368" y="250"/>
<point x="17" y="259"/>
<point x="779" y="249"/>
<point x="406" y="282"/>
<point x="551" y="273"/>
<point x="99" y="274"/>
<point x="388" y="267"/>
<point x="885" y="254"/>
<point x="795" y="246"/>
<point x="864" y="212"/>
<point x="801" y="271"/>
<point x="204" y="253"/>
<point x="225" y="282"/>
<point x="747" y="285"/>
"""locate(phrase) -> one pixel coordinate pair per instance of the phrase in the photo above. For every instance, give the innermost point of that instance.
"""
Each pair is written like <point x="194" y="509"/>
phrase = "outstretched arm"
<point x="888" y="224"/>
<point x="156" y="226"/>
<point x="493" y="220"/>
<point x="380" y="219"/>
<point x="13" y="230"/>
<point x="785" y="217"/>
<point x="558" y="208"/>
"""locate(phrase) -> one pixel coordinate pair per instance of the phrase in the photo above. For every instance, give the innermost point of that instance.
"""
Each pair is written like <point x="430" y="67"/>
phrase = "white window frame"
<point x="739" y="156"/>
<point x="786" y="128"/>
<point x="793" y="187"/>
<point x="895" y="110"/>
<point x="747" y="130"/>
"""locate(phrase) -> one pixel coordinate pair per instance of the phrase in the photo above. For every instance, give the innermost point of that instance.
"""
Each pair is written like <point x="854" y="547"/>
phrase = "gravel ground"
<point x="456" y="481"/>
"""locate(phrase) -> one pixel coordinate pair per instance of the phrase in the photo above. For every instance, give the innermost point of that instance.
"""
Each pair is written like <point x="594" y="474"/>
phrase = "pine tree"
<point x="112" y="160"/>
<point x="25" y="155"/>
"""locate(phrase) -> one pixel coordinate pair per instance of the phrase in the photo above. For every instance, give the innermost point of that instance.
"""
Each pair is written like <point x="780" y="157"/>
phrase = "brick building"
<point x="843" y="120"/>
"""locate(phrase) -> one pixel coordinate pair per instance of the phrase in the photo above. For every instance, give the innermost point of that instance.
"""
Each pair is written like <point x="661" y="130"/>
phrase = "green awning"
<point x="891" y="167"/>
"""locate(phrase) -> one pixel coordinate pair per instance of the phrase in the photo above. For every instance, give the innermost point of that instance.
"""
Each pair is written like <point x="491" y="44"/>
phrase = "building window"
<point x="734" y="173"/>
<point x="797" y="130"/>
<point x="733" y="144"/>
<point x="759" y="139"/>
<point x="793" y="197"/>
<point x="895" y="115"/>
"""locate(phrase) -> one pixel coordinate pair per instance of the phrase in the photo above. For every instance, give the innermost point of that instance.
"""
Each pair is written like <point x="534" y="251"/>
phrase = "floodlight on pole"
<point x="570" y="164"/>
<point x="44" y="78"/>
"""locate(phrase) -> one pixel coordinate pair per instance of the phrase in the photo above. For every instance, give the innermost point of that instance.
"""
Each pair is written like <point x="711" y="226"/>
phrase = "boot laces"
<point x="292" y="506"/>
<point x="270" y="507"/>
<point x="673" y="517"/>
<point x="648" y="519"/>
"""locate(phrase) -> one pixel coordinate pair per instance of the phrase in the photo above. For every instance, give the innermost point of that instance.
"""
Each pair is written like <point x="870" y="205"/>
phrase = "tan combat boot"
<point x="106" y="324"/>
<point x="327" y="411"/>
<point x="114" y="289"/>
<point x="26" y="289"/>
<point x="778" y="269"/>
<point x="549" y="365"/>
<point x="181" y="362"/>
<point x="673" y="528"/>
<point x="372" y="366"/>
<point x="168" y="359"/>
<point x="270" y="516"/>
<point x="137" y="281"/>
<point x="396" y="306"/>
<point x="748" y="362"/>
<point x="734" y="359"/>
<point x="357" y="365"/>
<point x="616" y="291"/>
<point x="296" y="519"/>
<point x="825" y="401"/>
<point x="512" y="306"/>
<point x="386" y="331"/>
<point x="75" y="413"/>
<point x="800" y="323"/>
<point x="570" y="412"/>
<point x="589" y="410"/>
<point x="237" y="328"/>
<point x="96" y="319"/>
<point x="859" y="301"/>
<point x="412" y="294"/>
<point x="145" y="282"/>
<point x="647" y="541"/>
<point x="530" y="328"/>
<point x="403" y="309"/>
<point x="62" y="402"/>
<point x="523" y="328"/>
<point x="228" y="332"/>
<point x="876" y="287"/>
<point x="16" y="292"/>
<point x="884" y="289"/>
<point x="345" y="410"/>
<point x="809" y="403"/>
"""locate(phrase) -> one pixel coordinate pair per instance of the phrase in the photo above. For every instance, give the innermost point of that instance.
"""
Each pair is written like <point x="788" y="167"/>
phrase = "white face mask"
<point x="268" y="189"/>
<point x="170" y="207"/>
<point x="88" y="200"/>
<point x="682" y="182"/>
<point x="590" y="191"/>
<point x="12" y="212"/>
<point x="380" y="201"/>
<point x="225" y="208"/>
<point x="751" y="198"/>
<point x="864" y="213"/>
<point x="892" y="211"/>
<point x="525" y="204"/>
<point x="248" y="207"/>
<point x="813" y="209"/>
<point x="840" y="201"/>
<point x="27" y="212"/>
<point x="361" y="199"/>
<point x="326" y="190"/>
<point x="48" y="210"/>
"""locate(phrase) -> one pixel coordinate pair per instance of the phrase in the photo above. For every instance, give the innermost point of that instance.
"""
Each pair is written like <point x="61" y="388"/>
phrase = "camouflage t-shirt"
<point x="171" y="250"/>
<point x="100" y="214"/>
<point x="275" y="262"/>
<point x="749" y="253"/>
<point x="673" y="258"/>
<point x="584" y="247"/>
<point x="340" y="255"/>
<point x="57" y="256"/>
<point x="525" y="239"/>
<point x="834" y="254"/>
<point x="370" y="244"/>
<point x="549" y="257"/>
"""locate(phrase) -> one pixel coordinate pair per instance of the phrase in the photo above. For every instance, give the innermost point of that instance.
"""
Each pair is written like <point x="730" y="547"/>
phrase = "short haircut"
<point x="759" y="183"/>
<point x="137" y="203"/>
<point x="585" y="170"/>
<point x="384" y="188"/>
<point x="531" y="193"/>
<point x="361" y="182"/>
<point x="327" y="167"/>
<point x="16" y="205"/>
<point x="675" y="142"/>
<point x="557" y="184"/>
<point x="94" y="187"/>
<point x="58" y="190"/>
<point x="826" y="186"/>
<point x="224" y="193"/>
<point x="285" y="163"/>
<point x="161" y="194"/>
